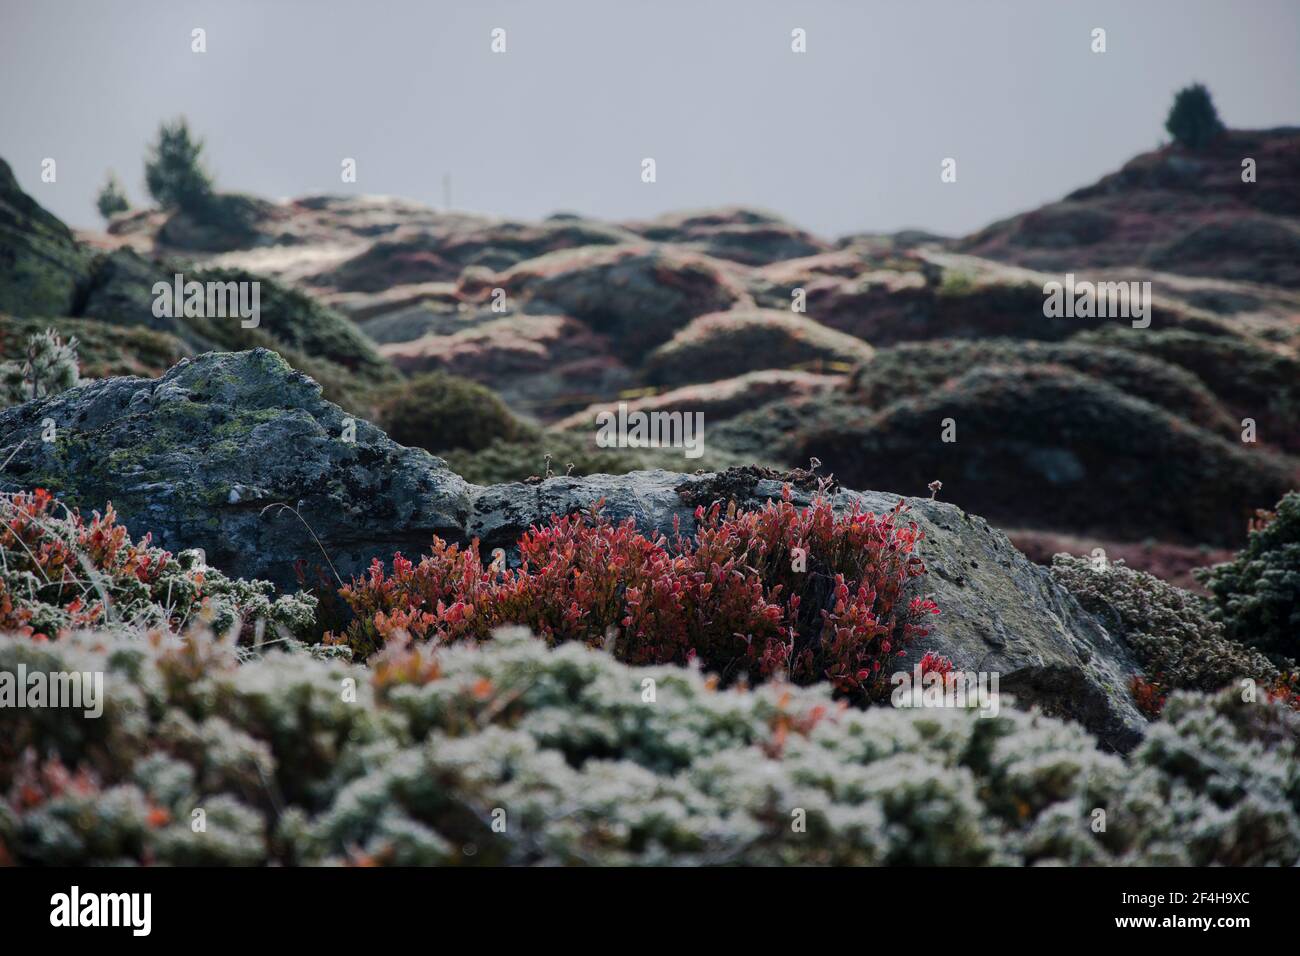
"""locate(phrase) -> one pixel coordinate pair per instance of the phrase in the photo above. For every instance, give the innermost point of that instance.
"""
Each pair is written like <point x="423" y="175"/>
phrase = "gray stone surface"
<point x="196" y="457"/>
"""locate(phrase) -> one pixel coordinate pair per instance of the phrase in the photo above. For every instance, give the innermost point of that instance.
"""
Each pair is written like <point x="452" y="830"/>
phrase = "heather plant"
<point x="61" y="572"/>
<point x="1257" y="594"/>
<point x="800" y="591"/>
<point x="48" y="368"/>
<point x="1148" y="696"/>
<point x="432" y="749"/>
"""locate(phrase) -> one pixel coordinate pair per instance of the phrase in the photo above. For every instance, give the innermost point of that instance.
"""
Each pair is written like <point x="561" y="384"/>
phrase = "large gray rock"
<point x="197" y="457"/>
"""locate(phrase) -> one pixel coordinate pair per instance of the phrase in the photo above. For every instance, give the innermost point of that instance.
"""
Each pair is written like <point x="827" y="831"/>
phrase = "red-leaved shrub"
<point x="56" y="559"/>
<point x="1148" y="695"/>
<point x="800" y="591"/>
<point x="62" y="572"/>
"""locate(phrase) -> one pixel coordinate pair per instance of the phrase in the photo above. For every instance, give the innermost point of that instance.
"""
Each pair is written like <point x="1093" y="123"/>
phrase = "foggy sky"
<point x="846" y="137"/>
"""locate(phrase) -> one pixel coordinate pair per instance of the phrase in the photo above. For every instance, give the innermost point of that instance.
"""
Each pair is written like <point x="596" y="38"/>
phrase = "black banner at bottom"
<point x="334" y="906"/>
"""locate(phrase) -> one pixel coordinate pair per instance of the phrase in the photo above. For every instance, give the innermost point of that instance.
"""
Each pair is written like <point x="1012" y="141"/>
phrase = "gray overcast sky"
<point x="846" y="137"/>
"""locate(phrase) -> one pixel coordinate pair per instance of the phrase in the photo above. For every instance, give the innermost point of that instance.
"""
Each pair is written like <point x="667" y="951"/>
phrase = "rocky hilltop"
<point x="1173" y="210"/>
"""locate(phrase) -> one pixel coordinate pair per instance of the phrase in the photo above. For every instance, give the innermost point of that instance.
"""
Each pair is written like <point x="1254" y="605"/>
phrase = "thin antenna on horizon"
<point x="446" y="191"/>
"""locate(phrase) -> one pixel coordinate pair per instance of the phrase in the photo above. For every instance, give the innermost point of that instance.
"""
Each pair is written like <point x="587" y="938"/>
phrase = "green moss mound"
<point x="1042" y="446"/>
<point x="41" y="263"/>
<point x="1253" y="379"/>
<point x="103" y="350"/>
<point x="304" y="325"/>
<point x="313" y="339"/>
<point x="917" y="368"/>
<point x="441" y="412"/>
<point x="727" y="344"/>
<point x="121" y="292"/>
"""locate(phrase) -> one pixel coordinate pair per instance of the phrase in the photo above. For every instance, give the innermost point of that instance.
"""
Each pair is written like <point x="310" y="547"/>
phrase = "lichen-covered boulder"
<point x="197" y="456"/>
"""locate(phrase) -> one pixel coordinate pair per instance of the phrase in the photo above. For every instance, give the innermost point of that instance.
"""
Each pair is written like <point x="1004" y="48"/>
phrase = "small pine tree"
<point x="112" y="199"/>
<point x="1193" y="121"/>
<point x="174" y="170"/>
<point x="1257" y="594"/>
<point x="49" y="368"/>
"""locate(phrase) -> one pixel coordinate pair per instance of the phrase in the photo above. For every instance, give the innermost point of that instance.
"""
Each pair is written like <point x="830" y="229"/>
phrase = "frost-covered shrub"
<point x="103" y="350"/>
<point x="1257" y="593"/>
<point x="59" y="571"/>
<point x="1169" y="630"/>
<point x="752" y="593"/>
<point x="1229" y="775"/>
<point x="49" y="366"/>
<point x="510" y="752"/>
